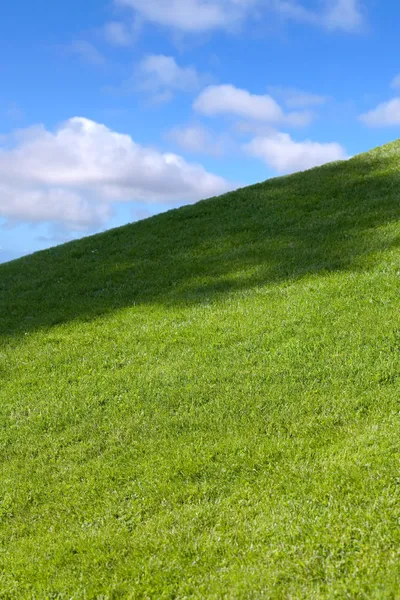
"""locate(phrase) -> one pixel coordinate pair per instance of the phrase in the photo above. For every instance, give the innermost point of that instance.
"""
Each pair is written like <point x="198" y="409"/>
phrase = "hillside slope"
<point x="205" y="404"/>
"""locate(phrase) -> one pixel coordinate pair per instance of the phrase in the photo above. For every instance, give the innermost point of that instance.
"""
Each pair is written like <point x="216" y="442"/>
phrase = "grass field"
<point x="206" y="404"/>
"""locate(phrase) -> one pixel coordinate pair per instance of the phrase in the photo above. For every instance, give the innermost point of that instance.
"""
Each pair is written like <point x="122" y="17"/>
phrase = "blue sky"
<point x="113" y="111"/>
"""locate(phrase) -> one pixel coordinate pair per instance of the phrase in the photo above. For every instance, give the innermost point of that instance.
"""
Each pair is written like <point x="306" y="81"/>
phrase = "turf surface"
<point x="206" y="404"/>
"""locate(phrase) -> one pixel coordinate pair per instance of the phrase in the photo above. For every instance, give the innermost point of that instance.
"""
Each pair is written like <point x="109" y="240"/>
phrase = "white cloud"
<point x="299" y="118"/>
<point x="294" y="98"/>
<point x="198" y="139"/>
<point x="228" y="99"/>
<point x="396" y="82"/>
<point x="162" y="76"/>
<point x="118" y="33"/>
<point x="283" y="154"/>
<point x="20" y="203"/>
<point x="385" y="114"/>
<point x="344" y="14"/>
<point x="87" y="52"/>
<point x="195" y="16"/>
<point x="75" y="174"/>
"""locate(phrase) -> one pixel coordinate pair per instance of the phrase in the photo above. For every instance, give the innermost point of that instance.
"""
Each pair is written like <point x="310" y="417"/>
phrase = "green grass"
<point x="206" y="404"/>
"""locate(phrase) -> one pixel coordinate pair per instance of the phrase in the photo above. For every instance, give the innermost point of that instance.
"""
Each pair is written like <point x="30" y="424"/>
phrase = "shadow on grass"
<point x="322" y="220"/>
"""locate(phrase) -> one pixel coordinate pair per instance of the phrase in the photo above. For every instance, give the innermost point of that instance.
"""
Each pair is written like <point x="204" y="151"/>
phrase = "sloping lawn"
<point x="206" y="404"/>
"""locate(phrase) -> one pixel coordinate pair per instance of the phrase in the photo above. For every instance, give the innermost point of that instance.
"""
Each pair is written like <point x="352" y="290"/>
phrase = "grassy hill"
<point x="206" y="404"/>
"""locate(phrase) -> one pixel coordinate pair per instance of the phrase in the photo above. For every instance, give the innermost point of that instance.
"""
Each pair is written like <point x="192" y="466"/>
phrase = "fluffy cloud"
<point x="385" y="114"/>
<point x="74" y="175"/>
<point x="19" y="203"/>
<point x="396" y="82"/>
<point x="194" y="16"/>
<point x="283" y="154"/>
<point x="299" y="118"/>
<point x="86" y="52"/>
<point x="294" y="98"/>
<point x="228" y="99"/>
<point x="162" y="76"/>
<point x="118" y="34"/>
<point x="198" y="139"/>
<point x="343" y="14"/>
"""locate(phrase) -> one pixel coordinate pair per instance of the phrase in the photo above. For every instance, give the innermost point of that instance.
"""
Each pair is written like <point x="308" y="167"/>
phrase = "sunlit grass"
<point x="205" y="404"/>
